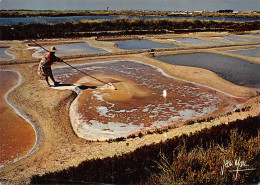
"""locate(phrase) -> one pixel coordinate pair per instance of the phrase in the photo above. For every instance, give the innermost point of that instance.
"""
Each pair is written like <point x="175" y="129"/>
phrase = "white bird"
<point x="164" y="93"/>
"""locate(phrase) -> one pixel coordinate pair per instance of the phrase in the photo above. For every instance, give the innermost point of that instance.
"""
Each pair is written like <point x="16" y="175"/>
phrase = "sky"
<point x="160" y="5"/>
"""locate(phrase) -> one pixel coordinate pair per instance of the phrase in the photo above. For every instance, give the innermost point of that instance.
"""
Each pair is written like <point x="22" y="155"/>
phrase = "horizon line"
<point x="126" y="10"/>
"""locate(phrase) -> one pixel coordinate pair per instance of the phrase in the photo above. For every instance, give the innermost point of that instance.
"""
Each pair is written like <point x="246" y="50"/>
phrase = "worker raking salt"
<point x="44" y="68"/>
<point x="49" y="58"/>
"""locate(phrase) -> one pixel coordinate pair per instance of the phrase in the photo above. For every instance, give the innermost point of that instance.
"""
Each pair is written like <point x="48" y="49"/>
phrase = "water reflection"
<point x="141" y="44"/>
<point x="238" y="39"/>
<point x="197" y="42"/>
<point x="69" y="49"/>
<point x="253" y="34"/>
<point x="4" y="55"/>
<point x="4" y="21"/>
<point x="235" y="70"/>
<point x="246" y="52"/>
<point x="140" y="103"/>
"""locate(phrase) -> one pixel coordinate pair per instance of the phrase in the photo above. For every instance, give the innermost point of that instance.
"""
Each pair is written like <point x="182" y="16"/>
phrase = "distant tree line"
<point x="53" y="13"/>
<point x="118" y="27"/>
<point x="225" y="11"/>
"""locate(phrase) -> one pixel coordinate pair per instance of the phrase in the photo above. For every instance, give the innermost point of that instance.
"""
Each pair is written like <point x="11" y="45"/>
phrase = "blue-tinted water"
<point x="141" y="44"/>
<point x="247" y="52"/>
<point x="235" y="70"/>
<point x="70" y="49"/>
<point x="253" y="34"/>
<point x="30" y="20"/>
<point x="4" y="55"/>
<point x="238" y="39"/>
<point x="197" y="42"/>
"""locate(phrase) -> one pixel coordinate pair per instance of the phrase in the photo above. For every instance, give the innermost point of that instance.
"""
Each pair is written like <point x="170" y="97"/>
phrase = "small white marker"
<point x="164" y="93"/>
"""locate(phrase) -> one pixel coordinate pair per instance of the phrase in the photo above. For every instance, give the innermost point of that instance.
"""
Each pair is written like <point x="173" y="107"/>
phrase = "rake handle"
<point x="85" y="73"/>
<point x="62" y="60"/>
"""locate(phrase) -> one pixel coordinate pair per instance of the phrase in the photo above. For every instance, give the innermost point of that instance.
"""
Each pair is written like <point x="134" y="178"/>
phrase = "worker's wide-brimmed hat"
<point x="53" y="49"/>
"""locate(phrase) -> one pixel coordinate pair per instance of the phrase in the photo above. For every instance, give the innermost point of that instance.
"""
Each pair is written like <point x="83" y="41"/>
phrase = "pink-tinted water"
<point x="17" y="136"/>
<point x="145" y="99"/>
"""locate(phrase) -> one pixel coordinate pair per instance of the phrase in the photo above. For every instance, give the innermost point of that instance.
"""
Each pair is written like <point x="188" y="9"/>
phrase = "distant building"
<point x="198" y="11"/>
<point x="179" y="13"/>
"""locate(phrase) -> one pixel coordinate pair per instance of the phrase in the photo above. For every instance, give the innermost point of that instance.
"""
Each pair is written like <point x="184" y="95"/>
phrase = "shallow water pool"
<point x="253" y="34"/>
<point x="246" y="52"/>
<point x="197" y="42"/>
<point x="70" y="49"/>
<point x="17" y="136"/>
<point x="238" y="39"/>
<point x="145" y="99"/>
<point x="4" y="55"/>
<point x="235" y="70"/>
<point x="141" y="44"/>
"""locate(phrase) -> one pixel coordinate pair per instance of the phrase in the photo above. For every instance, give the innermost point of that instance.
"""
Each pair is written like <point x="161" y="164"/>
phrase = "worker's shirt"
<point x="47" y="60"/>
<point x="50" y="59"/>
